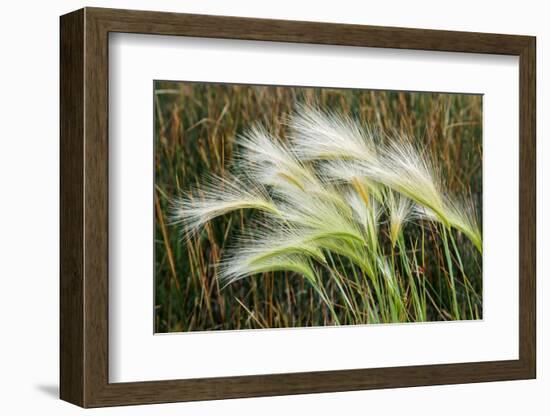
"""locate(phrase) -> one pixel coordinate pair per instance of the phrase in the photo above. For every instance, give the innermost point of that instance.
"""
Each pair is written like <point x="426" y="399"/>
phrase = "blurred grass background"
<point x="195" y="128"/>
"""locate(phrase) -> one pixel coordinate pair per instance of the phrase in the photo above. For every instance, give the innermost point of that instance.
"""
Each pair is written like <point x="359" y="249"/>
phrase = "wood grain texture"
<point x="84" y="207"/>
<point x="527" y="208"/>
<point x="71" y="218"/>
<point x="96" y="208"/>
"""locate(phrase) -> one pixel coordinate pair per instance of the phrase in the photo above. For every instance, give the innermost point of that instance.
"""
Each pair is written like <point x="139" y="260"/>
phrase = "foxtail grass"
<point x="331" y="206"/>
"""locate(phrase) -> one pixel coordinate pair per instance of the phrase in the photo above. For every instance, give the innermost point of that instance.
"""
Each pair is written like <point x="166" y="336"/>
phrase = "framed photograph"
<point x="257" y="207"/>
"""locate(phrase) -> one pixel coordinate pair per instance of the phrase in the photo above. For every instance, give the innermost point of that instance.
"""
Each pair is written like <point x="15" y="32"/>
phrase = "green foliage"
<point x="352" y="253"/>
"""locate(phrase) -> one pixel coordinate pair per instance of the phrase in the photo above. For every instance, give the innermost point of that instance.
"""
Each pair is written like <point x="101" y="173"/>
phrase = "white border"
<point x="135" y="354"/>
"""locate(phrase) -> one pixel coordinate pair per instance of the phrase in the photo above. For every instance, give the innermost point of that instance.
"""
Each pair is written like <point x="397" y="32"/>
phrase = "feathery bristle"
<point x="329" y="136"/>
<point x="218" y="196"/>
<point x="322" y="192"/>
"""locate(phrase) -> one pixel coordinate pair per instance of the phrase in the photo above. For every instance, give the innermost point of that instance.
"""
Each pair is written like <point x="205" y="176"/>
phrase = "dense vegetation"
<point x="413" y="263"/>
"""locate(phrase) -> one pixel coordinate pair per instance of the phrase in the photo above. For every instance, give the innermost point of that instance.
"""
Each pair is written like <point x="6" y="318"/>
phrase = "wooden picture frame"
<point x="84" y="207"/>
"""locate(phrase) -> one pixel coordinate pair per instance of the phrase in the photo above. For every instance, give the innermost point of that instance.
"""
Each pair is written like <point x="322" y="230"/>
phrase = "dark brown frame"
<point x="84" y="209"/>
